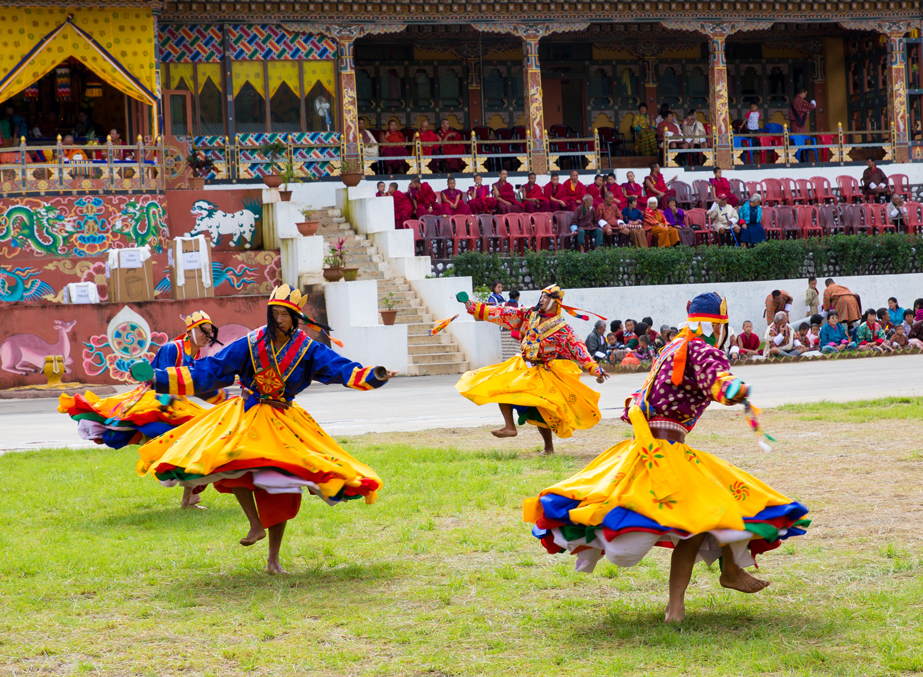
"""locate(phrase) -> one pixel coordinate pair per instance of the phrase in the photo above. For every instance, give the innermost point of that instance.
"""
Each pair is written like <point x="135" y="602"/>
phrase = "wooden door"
<point x="551" y="102"/>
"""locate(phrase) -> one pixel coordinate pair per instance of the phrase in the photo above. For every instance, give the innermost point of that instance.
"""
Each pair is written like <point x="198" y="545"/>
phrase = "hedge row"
<point x="839" y="255"/>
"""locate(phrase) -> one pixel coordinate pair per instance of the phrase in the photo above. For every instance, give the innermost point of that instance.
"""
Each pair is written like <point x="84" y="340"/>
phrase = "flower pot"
<point x="285" y="195"/>
<point x="350" y="274"/>
<point x="308" y="228"/>
<point x="333" y="274"/>
<point x="351" y="179"/>
<point x="388" y="317"/>
<point x="196" y="183"/>
<point x="272" y="180"/>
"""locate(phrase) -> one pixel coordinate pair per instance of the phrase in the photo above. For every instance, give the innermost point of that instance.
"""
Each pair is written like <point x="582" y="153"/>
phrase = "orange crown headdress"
<point x="288" y="296"/>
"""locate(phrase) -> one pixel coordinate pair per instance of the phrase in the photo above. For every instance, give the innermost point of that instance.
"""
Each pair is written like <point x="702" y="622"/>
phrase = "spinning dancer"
<point x="656" y="490"/>
<point x="141" y="413"/>
<point x="263" y="444"/>
<point x="543" y="383"/>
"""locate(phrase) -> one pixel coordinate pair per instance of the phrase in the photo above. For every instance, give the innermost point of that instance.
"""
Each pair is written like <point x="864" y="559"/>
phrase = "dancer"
<point x="141" y="413"/>
<point x="263" y="444"/>
<point x="656" y="490"/>
<point x="543" y="383"/>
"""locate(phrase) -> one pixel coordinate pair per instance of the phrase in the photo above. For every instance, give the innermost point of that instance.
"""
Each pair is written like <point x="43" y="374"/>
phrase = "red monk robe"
<point x="661" y="186"/>
<point x="394" y="166"/>
<point x="597" y="193"/>
<point x="426" y="200"/>
<point x="429" y="136"/>
<point x="534" y="199"/>
<point x="573" y="194"/>
<point x="617" y="194"/>
<point x="554" y="193"/>
<point x="452" y="202"/>
<point x="403" y="208"/>
<point x="447" y="135"/>
<point x="481" y="201"/>
<point x="507" y="202"/>
<point x="631" y="188"/>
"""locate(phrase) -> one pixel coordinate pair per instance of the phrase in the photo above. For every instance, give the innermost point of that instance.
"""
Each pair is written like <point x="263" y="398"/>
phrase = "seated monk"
<point x="721" y="187"/>
<point x="424" y="199"/>
<point x="618" y="194"/>
<point x="597" y="190"/>
<point x="394" y="136"/>
<point x="655" y="222"/>
<point x="403" y="207"/>
<point x="428" y="136"/>
<point x="533" y="198"/>
<point x="655" y="186"/>
<point x="574" y="191"/>
<point x="381" y="192"/>
<point x="630" y="188"/>
<point x="506" y="196"/>
<point x="452" y="202"/>
<point x="446" y="135"/>
<point x="554" y="193"/>
<point x="480" y="199"/>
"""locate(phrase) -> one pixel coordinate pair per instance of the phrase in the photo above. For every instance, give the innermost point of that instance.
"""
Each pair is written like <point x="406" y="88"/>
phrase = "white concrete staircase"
<point x="427" y="355"/>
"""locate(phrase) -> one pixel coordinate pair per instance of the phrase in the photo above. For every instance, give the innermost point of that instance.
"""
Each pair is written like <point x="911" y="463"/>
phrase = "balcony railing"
<point x="824" y="147"/>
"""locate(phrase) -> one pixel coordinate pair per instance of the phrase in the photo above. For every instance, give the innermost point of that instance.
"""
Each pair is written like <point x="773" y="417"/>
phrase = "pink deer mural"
<point x="26" y="353"/>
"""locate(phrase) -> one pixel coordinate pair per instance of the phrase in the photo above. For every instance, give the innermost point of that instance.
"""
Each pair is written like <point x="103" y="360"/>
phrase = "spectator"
<point x="382" y="190"/>
<point x="655" y="186"/>
<point x="655" y="222"/>
<point x="677" y="219"/>
<point x="630" y="188"/>
<point x="424" y="199"/>
<point x="907" y="324"/>
<point x="799" y="111"/>
<point x="514" y="299"/>
<point x="746" y="345"/>
<point x="721" y="186"/>
<point x="874" y="182"/>
<point x="833" y="336"/>
<point x="505" y="195"/>
<point x="722" y="216"/>
<point x="617" y="193"/>
<point x="116" y="140"/>
<point x="615" y="326"/>
<point x="749" y="228"/>
<point x="609" y="215"/>
<point x="614" y="353"/>
<point x="752" y="121"/>
<point x="398" y="151"/>
<point x="844" y="302"/>
<point x="871" y="335"/>
<point x="777" y="301"/>
<point x="574" y="191"/>
<point x="694" y="135"/>
<point x="803" y="343"/>
<point x="899" y="340"/>
<point x="452" y="200"/>
<point x="480" y="199"/>
<point x="811" y="297"/>
<point x="84" y="125"/>
<point x="496" y="294"/>
<point x="586" y="225"/>
<point x="644" y="352"/>
<point x="670" y="334"/>
<point x="895" y="312"/>
<point x="596" y="341"/>
<point x="884" y="319"/>
<point x="70" y="153"/>
<point x="447" y="135"/>
<point x="598" y="190"/>
<point x="669" y="135"/>
<point x="17" y="125"/>
<point x="780" y="339"/>
<point x="641" y="329"/>
<point x="403" y="207"/>
<point x="660" y="341"/>
<point x="532" y="197"/>
<point x="814" y="333"/>
<point x="915" y="336"/>
<point x="633" y="223"/>
<point x="650" y="328"/>
<point x="369" y="143"/>
<point x="645" y="136"/>
<point x="627" y="333"/>
<point x="897" y="214"/>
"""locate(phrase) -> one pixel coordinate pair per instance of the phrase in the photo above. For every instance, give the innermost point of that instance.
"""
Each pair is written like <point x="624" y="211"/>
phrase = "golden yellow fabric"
<point x="282" y="71"/>
<point x="181" y="76"/>
<point x="126" y="33"/>
<point x="228" y="433"/>
<point x="243" y="72"/>
<point x="209" y="71"/>
<point x="179" y="409"/>
<point x="673" y="484"/>
<point x="320" y="71"/>
<point x="564" y="402"/>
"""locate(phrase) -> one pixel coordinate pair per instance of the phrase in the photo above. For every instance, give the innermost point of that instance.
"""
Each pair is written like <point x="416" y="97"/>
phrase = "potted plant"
<point x="335" y="261"/>
<point x="388" y="316"/>
<point x="350" y="172"/>
<point x="200" y="165"/>
<point x="309" y="226"/>
<point x="288" y="176"/>
<point x="273" y="151"/>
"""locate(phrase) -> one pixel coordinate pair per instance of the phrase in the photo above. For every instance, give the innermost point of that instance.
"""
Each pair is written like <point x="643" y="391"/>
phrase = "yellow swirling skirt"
<point x="553" y="390"/>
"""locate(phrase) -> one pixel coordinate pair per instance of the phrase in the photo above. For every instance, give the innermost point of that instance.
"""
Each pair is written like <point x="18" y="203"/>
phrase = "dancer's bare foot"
<point x="738" y="579"/>
<point x="548" y="440"/>
<point x="191" y="500"/>
<point x="676" y="612"/>
<point x="274" y="568"/>
<point x="504" y="432"/>
<point x="255" y="534"/>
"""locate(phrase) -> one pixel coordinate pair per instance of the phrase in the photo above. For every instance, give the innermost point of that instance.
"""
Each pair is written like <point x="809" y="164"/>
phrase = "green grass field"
<point x="101" y="573"/>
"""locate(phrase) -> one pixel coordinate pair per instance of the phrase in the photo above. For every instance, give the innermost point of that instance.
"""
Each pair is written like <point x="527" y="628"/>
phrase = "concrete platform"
<point x="430" y="402"/>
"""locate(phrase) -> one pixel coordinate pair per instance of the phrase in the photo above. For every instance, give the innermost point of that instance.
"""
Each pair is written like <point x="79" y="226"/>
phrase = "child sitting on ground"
<point x="908" y="322"/>
<point x="746" y="345"/>
<point x="899" y="339"/>
<point x="644" y="352"/>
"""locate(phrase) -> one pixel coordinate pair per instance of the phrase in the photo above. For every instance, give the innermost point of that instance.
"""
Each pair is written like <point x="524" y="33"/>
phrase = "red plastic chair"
<point x="861" y="220"/>
<point x="850" y="190"/>
<point x="753" y="188"/>
<point x="519" y="227"/>
<point x="809" y="221"/>
<point x="702" y="191"/>
<point x="769" y="220"/>
<point x="878" y="218"/>
<point x="465" y="231"/>
<point x="772" y="193"/>
<point x="827" y="219"/>
<point x="789" y="191"/>
<point x="543" y="229"/>
<point x="787" y="223"/>
<point x="487" y="229"/>
<point x="823" y="191"/>
<point x="697" y="219"/>
<point x="433" y="237"/>
<point x="900" y="185"/>
<point x="804" y="192"/>
<point x="847" y="219"/>
<point x="825" y="140"/>
<point x="914" y="217"/>
<point x="562" y="223"/>
<point x="685" y="197"/>
<point x="740" y="190"/>
<point x="418" y="244"/>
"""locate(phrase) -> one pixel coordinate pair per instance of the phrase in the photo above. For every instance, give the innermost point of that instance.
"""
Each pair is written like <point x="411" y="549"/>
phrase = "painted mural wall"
<point x="100" y="342"/>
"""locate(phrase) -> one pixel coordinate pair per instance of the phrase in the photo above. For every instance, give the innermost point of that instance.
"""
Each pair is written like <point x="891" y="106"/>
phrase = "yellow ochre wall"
<point x="835" y="58"/>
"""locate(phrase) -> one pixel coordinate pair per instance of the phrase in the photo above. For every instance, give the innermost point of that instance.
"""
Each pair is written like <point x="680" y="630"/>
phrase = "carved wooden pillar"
<point x="157" y="116"/>
<point x="475" y="102"/>
<point x="897" y="78"/>
<point x="532" y="81"/>
<point x="650" y="85"/>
